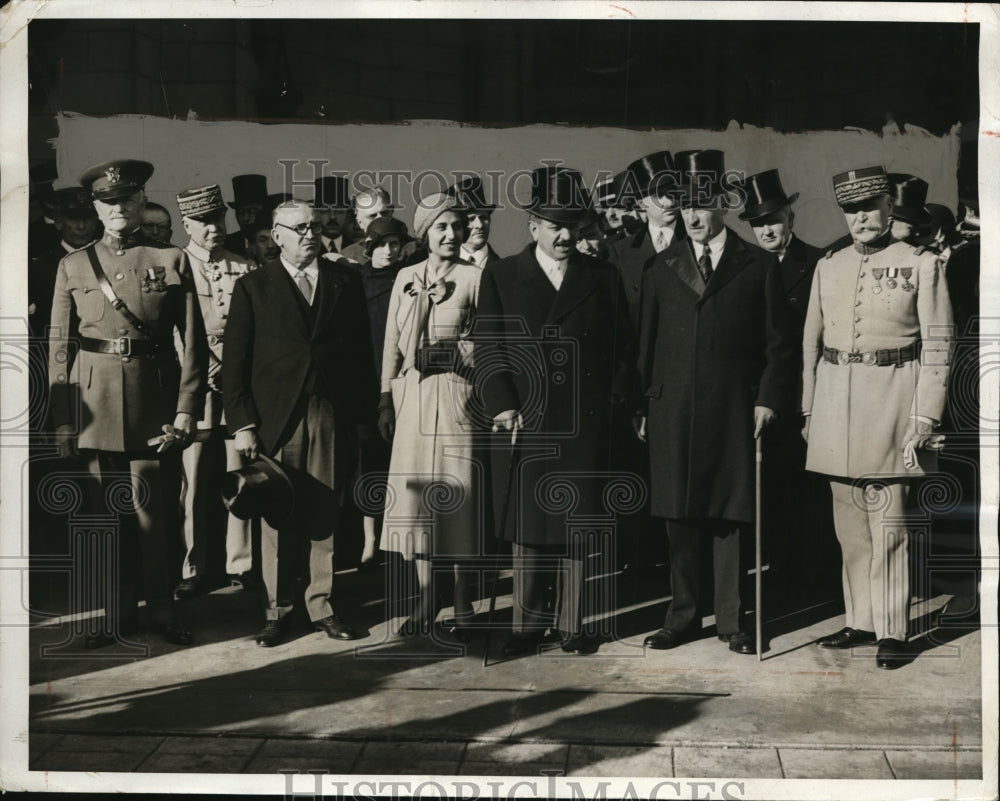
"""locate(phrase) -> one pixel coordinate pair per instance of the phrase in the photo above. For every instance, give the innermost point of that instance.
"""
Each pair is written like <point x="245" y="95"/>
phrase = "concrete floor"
<point x="384" y="706"/>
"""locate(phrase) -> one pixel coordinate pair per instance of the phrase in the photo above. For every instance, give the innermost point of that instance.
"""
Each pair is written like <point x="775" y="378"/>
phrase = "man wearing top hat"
<point x="332" y="201"/>
<point x="122" y="397"/>
<point x="565" y="313"/>
<point x="910" y="218"/>
<point x="477" y="248"/>
<point x="717" y="360"/>
<point x="877" y="347"/>
<point x="299" y="385"/>
<point x="649" y="183"/>
<point x="249" y="199"/>
<point x="794" y="501"/>
<point x="214" y="271"/>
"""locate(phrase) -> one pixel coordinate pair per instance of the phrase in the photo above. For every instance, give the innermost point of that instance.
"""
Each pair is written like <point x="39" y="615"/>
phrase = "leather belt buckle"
<point x="843" y="357"/>
<point x="868" y="357"/>
<point x="124" y="346"/>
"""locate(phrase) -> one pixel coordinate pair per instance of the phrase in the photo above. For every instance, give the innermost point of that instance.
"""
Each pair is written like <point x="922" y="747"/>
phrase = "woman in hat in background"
<point x="434" y="485"/>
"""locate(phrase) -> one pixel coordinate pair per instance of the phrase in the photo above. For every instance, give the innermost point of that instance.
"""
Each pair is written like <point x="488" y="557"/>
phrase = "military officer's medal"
<point x="155" y="280"/>
<point x="907" y="272"/>
<point x="877" y="275"/>
<point x="892" y="272"/>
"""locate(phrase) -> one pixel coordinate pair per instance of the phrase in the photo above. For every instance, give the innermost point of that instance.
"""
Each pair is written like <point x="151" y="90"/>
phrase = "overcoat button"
<point x="119" y="276"/>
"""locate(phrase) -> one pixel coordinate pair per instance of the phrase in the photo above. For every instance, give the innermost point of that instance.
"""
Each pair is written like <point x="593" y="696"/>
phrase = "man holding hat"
<point x="125" y="393"/>
<point x="565" y="313"/>
<point x="469" y="193"/>
<point x="716" y="358"/>
<point x="877" y="345"/>
<point x="332" y="201"/>
<point x="249" y="200"/>
<point x="651" y="181"/>
<point x="214" y="271"/>
<point x="299" y="386"/>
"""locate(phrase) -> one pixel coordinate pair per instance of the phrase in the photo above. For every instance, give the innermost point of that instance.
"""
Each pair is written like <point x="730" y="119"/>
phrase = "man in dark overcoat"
<point x="800" y="544"/>
<point x="717" y="362"/>
<point x="299" y="385"/>
<point x="553" y="360"/>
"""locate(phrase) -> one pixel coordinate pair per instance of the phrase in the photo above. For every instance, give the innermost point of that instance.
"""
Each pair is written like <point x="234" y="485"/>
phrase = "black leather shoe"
<point x="522" y="643"/>
<point x="740" y="642"/>
<point x="272" y="634"/>
<point x="189" y="588"/>
<point x="173" y="633"/>
<point x="847" y="638"/>
<point x="665" y="639"/>
<point x="335" y="628"/>
<point x="581" y="644"/>
<point x="891" y="654"/>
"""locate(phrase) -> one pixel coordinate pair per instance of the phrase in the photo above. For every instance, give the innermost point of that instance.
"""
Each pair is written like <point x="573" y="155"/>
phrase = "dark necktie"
<point x="705" y="264"/>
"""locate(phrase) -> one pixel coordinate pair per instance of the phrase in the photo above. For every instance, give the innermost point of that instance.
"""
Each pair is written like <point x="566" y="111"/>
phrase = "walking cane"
<point x="496" y="568"/>
<point x="757" y="554"/>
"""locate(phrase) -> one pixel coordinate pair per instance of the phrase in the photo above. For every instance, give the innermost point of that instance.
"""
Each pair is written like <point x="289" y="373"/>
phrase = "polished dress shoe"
<point x="189" y="588"/>
<point x="891" y="654"/>
<point x="521" y="643"/>
<point x="174" y="633"/>
<point x="740" y="642"/>
<point x="847" y="638"/>
<point x="272" y="634"/>
<point x="582" y="644"/>
<point x="665" y="639"/>
<point x="335" y="628"/>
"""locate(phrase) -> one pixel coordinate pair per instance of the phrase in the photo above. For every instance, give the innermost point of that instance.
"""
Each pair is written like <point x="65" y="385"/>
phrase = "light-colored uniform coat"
<point x="435" y="486"/>
<point x="860" y="411"/>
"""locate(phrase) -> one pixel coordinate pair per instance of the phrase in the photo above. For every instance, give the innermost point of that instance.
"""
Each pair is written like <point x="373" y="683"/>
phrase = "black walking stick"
<point x="757" y="553"/>
<point x="503" y="525"/>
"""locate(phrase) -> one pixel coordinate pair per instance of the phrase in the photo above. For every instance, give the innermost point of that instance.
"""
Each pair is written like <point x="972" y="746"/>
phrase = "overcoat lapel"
<point x="534" y="284"/>
<point x="793" y="266"/>
<point x="680" y="259"/>
<point x="734" y="257"/>
<point x="577" y="284"/>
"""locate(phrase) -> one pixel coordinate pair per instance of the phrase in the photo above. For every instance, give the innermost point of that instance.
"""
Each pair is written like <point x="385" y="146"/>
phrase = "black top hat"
<point x="74" y="202"/>
<point x="654" y="174"/>
<point x="558" y="195"/>
<point x="249" y="190"/>
<point x="260" y="489"/>
<point x="114" y="179"/>
<point x="469" y="193"/>
<point x="764" y="195"/>
<point x="943" y="219"/>
<point x="909" y="194"/>
<point x="701" y="174"/>
<point x="380" y="228"/>
<point x="331" y="190"/>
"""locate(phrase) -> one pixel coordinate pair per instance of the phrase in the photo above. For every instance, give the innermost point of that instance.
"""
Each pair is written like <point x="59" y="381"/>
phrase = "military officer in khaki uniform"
<point x="214" y="271"/>
<point x="876" y="353"/>
<point x="123" y="387"/>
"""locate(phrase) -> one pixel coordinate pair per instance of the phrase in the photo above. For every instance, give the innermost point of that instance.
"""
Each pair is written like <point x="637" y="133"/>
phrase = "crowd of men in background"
<point x="245" y="369"/>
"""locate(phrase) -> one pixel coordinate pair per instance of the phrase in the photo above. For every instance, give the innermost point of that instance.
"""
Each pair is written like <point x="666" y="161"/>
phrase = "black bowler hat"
<point x="701" y="174"/>
<point x="260" y="489"/>
<point x="764" y="195"/>
<point x="909" y="195"/>
<point x="654" y="175"/>
<point x="73" y="203"/>
<point x="469" y="193"/>
<point x="559" y="195"/>
<point x="593" y="225"/>
<point x="249" y="190"/>
<point x="331" y="190"/>
<point x="114" y="179"/>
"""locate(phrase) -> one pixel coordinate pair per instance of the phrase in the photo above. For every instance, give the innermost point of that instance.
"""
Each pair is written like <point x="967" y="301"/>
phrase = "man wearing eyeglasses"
<point x="299" y="385"/>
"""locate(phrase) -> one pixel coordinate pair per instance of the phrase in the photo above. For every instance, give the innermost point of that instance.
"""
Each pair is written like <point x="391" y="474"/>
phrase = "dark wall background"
<point x="659" y="74"/>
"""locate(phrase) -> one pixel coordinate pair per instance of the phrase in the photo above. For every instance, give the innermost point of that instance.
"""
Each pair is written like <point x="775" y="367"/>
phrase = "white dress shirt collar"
<point x="311" y="270"/>
<point x="656" y="231"/>
<point x="555" y="271"/>
<point x="715" y="246"/>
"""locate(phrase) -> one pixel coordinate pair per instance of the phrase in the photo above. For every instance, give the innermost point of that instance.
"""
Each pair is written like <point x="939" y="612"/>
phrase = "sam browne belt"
<point x="876" y="358"/>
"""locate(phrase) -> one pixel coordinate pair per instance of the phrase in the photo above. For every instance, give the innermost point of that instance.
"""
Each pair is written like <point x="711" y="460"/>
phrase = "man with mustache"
<point x="716" y="359"/>
<point x="299" y="385"/>
<point x="477" y="248"/>
<point x="214" y="271"/>
<point x="554" y="357"/>
<point x="124" y="399"/>
<point x="877" y="346"/>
